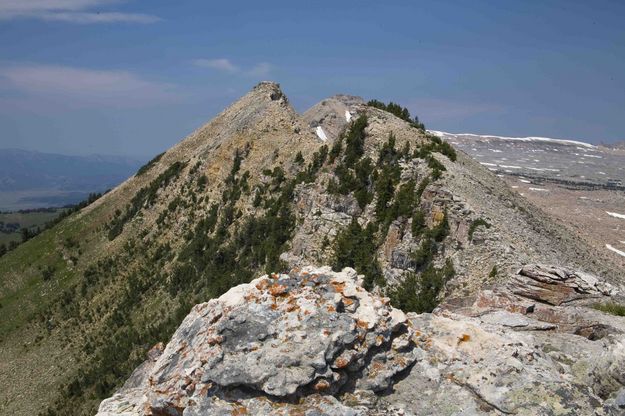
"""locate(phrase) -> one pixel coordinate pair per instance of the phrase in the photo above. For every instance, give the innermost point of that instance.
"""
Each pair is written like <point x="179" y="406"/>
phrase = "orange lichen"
<point x="331" y="308"/>
<point x="338" y="286"/>
<point x="277" y="290"/>
<point x="341" y="362"/>
<point x="362" y="324"/>
<point x="239" y="411"/>
<point x="292" y="307"/>
<point x="347" y="301"/>
<point x="214" y="340"/>
<point x="376" y="367"/>
<point x="262" y="285"/>
<point x="464" y="338"/>
<point x="322" y="385"/>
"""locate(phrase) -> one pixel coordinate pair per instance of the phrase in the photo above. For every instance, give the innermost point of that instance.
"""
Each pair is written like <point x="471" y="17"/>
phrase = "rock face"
<point x="314" y="342"/>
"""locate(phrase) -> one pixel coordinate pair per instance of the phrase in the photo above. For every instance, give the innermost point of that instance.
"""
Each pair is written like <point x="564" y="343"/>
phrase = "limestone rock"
<point x="280" y="336"/>
<point x="314" y="342"/>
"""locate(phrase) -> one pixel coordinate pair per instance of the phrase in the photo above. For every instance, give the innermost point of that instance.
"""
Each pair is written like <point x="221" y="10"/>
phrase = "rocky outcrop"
<point x="329" y="117"/>
<point x="314" y="342"/>
<point x="281" y="336"/>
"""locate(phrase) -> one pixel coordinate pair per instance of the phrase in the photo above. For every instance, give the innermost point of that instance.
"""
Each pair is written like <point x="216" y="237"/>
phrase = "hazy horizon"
<point x="135" y="77"/>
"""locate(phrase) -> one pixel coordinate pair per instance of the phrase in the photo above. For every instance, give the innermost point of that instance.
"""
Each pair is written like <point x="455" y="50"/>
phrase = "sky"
<point x="133" y="77"/>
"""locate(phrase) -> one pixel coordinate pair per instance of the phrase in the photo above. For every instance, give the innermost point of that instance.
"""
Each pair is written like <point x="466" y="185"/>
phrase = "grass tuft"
<point x="611" y="308"/>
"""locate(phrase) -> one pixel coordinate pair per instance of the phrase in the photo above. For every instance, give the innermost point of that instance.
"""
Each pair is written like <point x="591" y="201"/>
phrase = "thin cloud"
<point x="225" y="65"/>
<point x="70" y="11"/>
<point x="84" y="86"/>
<point x="221" y="64"/>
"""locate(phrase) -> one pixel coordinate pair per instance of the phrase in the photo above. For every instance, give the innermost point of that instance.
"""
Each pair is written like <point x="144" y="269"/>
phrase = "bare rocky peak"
<point x="330" y="116"/>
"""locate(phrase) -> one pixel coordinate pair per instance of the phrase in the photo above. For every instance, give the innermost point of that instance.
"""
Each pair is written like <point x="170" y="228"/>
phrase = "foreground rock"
<point x="314" y="342"/>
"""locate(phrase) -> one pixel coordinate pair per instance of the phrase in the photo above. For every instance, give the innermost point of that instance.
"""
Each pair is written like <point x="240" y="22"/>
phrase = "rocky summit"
<point x="315" y="342"/>
<point x="400" y="276"/>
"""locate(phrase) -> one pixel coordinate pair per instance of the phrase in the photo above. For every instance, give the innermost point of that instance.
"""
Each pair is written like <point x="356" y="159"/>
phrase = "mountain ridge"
<point x="252" y="191"/>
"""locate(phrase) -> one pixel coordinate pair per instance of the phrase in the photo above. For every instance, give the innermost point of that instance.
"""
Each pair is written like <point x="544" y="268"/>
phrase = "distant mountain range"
<point x="30" y="179"/>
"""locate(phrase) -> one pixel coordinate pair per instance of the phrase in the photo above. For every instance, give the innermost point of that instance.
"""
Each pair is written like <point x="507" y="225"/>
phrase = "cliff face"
<point x="256" y="190"/>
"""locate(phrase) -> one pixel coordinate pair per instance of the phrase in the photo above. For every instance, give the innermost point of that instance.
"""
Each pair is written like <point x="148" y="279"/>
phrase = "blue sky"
<point x="134" y="77"/>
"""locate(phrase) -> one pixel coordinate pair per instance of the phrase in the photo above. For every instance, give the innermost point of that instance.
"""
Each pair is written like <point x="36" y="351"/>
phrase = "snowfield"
<point x="520" y="139"/>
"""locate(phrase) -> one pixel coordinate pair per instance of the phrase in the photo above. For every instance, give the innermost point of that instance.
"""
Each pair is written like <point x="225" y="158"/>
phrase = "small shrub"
<point x="418" y="222"/>
<point x="202" y="182"/>
<point x="493" y="272"/>
<point x="47" y="273"/>
<point x="355" y="141"/>
<point x="420" y="294"/>
<point x="299" y="159"/>
<point x="356" y="247"/>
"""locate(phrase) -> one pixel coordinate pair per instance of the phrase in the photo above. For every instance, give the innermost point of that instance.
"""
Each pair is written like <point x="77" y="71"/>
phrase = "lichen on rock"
<point x="314" y="342"/>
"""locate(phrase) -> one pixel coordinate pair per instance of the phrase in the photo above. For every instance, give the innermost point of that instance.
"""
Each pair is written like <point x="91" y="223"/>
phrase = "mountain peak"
<point x="329" y="116"/>
<point x="271" y="89"/>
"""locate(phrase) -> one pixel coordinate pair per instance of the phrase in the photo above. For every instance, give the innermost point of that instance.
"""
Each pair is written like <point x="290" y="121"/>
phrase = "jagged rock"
<point x="314" y="342"/>
<point x="540" y="297"/>
<point x="279" y="336"/>
<point x="557" y="285"/>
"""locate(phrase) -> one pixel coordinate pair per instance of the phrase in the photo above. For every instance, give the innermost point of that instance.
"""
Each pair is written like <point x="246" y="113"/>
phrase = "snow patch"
<point x="524" y="181"/>
<point x="348" y="116"/>
<point x="539" y="189"/>
<point x="615" y="215"/>
<point x="616" y="250"/>
<point x="321" y="134"/>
